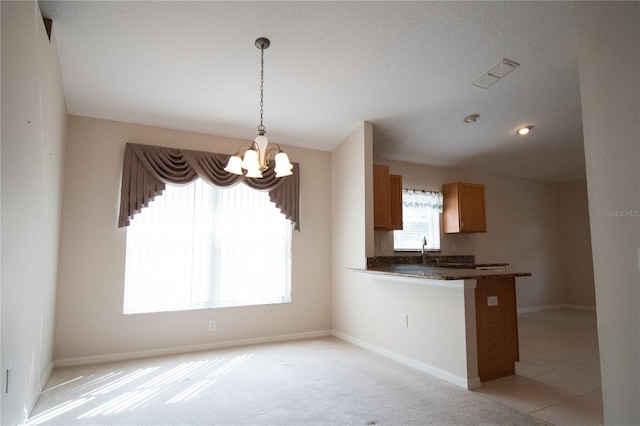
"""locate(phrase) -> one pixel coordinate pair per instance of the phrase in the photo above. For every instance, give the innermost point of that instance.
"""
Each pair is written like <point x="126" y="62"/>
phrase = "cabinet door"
<point x="395" y="202"/>
<point x="463" y="208"/>
<point x="471" y="205"/>
<point x="381" y="188"/>
<point x="496" y="327"/>
<point x="450" y="208"/>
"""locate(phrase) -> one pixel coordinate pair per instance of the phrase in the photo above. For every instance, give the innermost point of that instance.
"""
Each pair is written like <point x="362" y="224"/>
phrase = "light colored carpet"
<point x="308" y="382"/>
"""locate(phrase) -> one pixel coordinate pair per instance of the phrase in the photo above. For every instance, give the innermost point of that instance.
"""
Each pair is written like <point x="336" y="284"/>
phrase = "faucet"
<point x="424" y="250"/>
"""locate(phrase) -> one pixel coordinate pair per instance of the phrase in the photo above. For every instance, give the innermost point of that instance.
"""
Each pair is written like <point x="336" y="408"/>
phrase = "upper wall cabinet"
<point x="463" y="208"/>
<point x="387" y="199"/>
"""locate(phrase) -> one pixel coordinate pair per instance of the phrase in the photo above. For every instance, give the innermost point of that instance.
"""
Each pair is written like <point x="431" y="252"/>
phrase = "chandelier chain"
<point x="261" y="126"/>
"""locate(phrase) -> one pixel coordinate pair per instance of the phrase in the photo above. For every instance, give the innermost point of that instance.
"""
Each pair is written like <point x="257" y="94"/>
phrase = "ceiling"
<point x="407" y="67"/>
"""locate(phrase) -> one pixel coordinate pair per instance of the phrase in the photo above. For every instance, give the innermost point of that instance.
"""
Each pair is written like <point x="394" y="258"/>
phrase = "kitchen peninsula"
<point x="482" y="301"/>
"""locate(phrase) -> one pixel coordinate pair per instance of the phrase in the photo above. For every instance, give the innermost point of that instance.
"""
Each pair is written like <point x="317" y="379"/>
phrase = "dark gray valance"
<point x="148" y="168"/>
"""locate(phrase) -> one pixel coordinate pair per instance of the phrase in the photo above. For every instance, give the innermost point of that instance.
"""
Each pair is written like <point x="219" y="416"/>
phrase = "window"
<point x="421" y="218"/>
<point x="200" y="246"/>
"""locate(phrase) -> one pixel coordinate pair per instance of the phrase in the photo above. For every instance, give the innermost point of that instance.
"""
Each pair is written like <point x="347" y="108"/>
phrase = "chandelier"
<point x="257" y="156"/>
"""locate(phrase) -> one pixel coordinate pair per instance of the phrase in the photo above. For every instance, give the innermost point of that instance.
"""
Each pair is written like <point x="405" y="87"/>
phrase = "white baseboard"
<point x="43" y="381"/>
<point x="582" y="307"/>
<point x="552" y="307"/>
<point x="463" y="382"/>
<point x="99" y="359"/>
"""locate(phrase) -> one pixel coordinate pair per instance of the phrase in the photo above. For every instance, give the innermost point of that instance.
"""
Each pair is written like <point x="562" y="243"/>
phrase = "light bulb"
<point x="524" y="130"/>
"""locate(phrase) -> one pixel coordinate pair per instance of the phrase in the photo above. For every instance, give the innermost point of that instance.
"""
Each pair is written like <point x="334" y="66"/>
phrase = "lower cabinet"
<point x="496" y="327"/>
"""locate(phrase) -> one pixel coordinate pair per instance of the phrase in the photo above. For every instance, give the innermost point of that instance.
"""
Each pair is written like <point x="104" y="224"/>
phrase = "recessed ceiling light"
<point x="524" y="130"/>
<point x="472" y="118"/>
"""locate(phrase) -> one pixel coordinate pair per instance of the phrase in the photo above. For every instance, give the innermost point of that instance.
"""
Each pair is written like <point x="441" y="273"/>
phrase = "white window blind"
<point x="421" y="218"/>
<point x="200" y="246"/>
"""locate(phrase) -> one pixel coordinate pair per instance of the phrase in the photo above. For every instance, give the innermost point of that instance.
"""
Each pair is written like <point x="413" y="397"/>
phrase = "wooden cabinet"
<point x="496" y="327"/>
<point x="387" y="199"/>
<point x="463" y="208"/>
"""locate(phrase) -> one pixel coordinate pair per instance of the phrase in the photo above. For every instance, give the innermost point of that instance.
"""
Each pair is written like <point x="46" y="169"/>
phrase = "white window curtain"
<point x="200" y="246"/>
<point x="255" y="249"/>
<point x="421" y="218"/>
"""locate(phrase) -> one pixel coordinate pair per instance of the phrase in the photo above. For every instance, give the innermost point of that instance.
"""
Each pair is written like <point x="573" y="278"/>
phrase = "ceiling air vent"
<point x="496" y="73"/>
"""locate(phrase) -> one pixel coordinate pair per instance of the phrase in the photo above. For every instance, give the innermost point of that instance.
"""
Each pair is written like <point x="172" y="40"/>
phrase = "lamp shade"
<point x="283" y="165"/>
<point x="254" y="173"/>
<point x="234" y="165"/>
<point x="250" y="161"/>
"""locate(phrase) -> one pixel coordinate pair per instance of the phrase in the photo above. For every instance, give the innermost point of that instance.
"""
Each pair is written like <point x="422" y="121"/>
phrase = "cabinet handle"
<point x="461" y="224"/>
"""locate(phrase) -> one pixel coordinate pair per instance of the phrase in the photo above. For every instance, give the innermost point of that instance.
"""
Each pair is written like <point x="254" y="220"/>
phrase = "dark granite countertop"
<point x="470" y="265"/>
<point x="432" y="260"/>
<point x="438" y="272"/>
<point x="458" y="261"/>
<point x="459" y="267"/>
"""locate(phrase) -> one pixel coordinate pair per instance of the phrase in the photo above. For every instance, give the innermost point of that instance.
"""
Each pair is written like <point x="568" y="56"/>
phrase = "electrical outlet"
<point x="212" y="325"/>
<point x="492" y="301"/>
<point x="404" y="320"/>
<point x="383" y="245"/>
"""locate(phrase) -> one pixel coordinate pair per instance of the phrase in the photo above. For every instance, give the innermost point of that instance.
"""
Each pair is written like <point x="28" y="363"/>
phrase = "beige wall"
<point x="351" y="222"/>
<point x="609" y="63"/>
<point x="576" y="245"/>
<point x="33" y="135"/>
<point x="90" y="324"/>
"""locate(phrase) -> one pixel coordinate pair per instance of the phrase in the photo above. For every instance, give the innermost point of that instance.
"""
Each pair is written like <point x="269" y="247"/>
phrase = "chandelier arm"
<point x="255" y="146"/>
<point x="267" y="155"/>
<point x="245" y="147"/>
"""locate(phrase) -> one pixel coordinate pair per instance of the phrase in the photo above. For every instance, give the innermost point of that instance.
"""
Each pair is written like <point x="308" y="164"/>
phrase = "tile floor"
<point x="558" y="377"/>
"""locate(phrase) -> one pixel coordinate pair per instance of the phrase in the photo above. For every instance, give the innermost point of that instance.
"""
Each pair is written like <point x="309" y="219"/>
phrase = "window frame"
<point x="434" y="235"/>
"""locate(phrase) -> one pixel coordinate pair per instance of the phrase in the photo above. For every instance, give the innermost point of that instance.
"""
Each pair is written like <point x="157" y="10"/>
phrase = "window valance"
<point x="420" y="199"/>
<point x="146" y="170"/>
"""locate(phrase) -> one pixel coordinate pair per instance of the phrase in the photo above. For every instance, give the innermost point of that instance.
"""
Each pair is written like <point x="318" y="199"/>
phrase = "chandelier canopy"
<point x="257" y="156"/>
